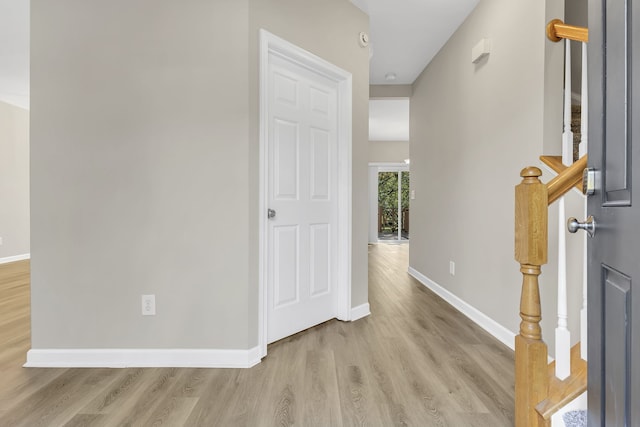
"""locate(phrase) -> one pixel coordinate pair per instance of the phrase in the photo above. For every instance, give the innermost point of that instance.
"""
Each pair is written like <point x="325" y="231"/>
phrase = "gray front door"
<point x="614" y="251"/>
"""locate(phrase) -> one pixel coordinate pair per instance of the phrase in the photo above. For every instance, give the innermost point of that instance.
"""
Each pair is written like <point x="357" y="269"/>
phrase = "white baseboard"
<point x="14" y="258"/>
<point x="360" y="311"/>
<point x="142" y="358"/>
<point x="503" y="334"/>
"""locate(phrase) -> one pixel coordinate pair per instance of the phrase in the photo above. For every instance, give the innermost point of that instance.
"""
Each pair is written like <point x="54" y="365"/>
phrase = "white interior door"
<point x="302" y="156"/>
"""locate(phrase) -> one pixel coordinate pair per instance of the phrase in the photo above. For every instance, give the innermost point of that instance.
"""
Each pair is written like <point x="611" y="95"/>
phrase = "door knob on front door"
<point x="589" y="225"/>
<point x="271" y="213"/>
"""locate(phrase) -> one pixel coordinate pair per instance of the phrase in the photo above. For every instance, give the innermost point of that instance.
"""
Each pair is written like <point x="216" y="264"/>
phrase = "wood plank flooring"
<point x="415" y="361"/>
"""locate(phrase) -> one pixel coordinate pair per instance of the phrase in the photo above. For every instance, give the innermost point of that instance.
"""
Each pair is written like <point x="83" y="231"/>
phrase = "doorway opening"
<point x="389" y="202"/>
<point x="393" y="205"/>
<point x="305" y="190"/>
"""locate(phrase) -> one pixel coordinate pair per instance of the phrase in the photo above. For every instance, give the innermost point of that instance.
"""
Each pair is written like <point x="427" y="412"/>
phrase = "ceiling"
<point x="406" y="34"/>
<point x="14" y="52"/>
<point x="404" y="37"/>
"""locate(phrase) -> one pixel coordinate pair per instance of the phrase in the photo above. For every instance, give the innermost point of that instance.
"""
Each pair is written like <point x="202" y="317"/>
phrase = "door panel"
<point x="286" y="255"/>
<point x="319" y="101"/>
<point x="285" y="89"/>
<point x="320" y="165"/>
<point x="616" y="100"/>
<point x="285" y="146"/>
<point x="302" y="187"/>
<point x="616" y="103"/>
<point x="616" y="312"/>
<point x="614" y="251"/>
<point x="320" y="259"/>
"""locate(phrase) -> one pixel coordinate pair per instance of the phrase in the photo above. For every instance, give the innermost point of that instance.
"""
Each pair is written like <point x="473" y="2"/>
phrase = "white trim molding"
<point x="271" y="44"/>
<point x="142" y="358"/>
<point x="501" y="333"/>
<point x="14" y="258"/>
<point x="360" y="311"/>
<point x="393" y="166"/>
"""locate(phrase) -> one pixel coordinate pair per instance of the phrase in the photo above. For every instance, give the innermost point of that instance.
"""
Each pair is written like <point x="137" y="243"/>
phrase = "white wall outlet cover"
<point x="413" y="194"/>
<point x="148" y="305"/>
<point x="480" y="50"/>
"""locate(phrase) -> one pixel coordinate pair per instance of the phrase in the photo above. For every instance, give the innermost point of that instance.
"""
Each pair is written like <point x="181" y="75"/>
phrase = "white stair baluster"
<point x="563" y="336"/>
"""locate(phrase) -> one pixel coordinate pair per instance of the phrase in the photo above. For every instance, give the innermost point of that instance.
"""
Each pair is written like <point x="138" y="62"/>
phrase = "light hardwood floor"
<point x="415" y="361"/>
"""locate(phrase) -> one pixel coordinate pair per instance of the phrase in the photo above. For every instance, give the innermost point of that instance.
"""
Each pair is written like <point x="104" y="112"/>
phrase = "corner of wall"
<point x="14" y="169"/>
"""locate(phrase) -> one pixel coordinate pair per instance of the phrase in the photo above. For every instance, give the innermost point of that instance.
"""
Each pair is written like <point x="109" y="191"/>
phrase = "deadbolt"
<point x="589" y="181"/>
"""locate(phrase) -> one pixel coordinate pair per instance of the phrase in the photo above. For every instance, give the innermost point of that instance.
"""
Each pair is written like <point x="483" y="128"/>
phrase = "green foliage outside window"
<point x="388" y="199"/>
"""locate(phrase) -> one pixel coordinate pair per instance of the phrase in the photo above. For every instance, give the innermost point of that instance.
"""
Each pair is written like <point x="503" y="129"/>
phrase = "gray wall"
<point x="388" y="151"/>
<point x="140" y="173"/>
<point x="14" y="181"/>
<point x="390" y="91"/>
<point x="473" y="128"/>
<point x="144" y="165"/>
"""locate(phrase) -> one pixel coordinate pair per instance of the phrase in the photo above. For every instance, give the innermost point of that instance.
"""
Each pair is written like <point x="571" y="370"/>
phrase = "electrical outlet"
<point x="148" y="305"/>
<point x="0" y="241"/>
<point x="413" y="194"/>
<point x="452" y="268"/>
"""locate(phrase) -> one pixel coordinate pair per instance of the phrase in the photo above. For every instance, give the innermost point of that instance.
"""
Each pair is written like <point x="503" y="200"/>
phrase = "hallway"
<point x="415" y="361"/>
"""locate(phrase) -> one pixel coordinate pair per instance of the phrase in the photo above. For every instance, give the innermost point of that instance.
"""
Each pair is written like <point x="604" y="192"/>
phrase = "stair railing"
<point x="535" y="386"/>
<point x="532" y="381"/>
<point x="531" y="237"/>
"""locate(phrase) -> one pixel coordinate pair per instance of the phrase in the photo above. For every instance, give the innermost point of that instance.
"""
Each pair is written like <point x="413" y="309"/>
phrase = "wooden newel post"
<point x="532" y="381"/>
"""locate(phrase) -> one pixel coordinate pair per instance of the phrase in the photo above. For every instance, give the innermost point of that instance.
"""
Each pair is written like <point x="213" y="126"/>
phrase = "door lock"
<point x="589" y="177"/>
<point x="271" y="213"/>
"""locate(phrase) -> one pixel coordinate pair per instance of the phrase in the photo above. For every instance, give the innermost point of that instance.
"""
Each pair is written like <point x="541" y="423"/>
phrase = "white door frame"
<point x="271" y="44"/>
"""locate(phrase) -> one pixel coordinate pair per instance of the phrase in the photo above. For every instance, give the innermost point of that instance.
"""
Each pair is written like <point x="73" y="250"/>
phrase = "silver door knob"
<point x="271" y="213"/>
<point x="589" y="225"/>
